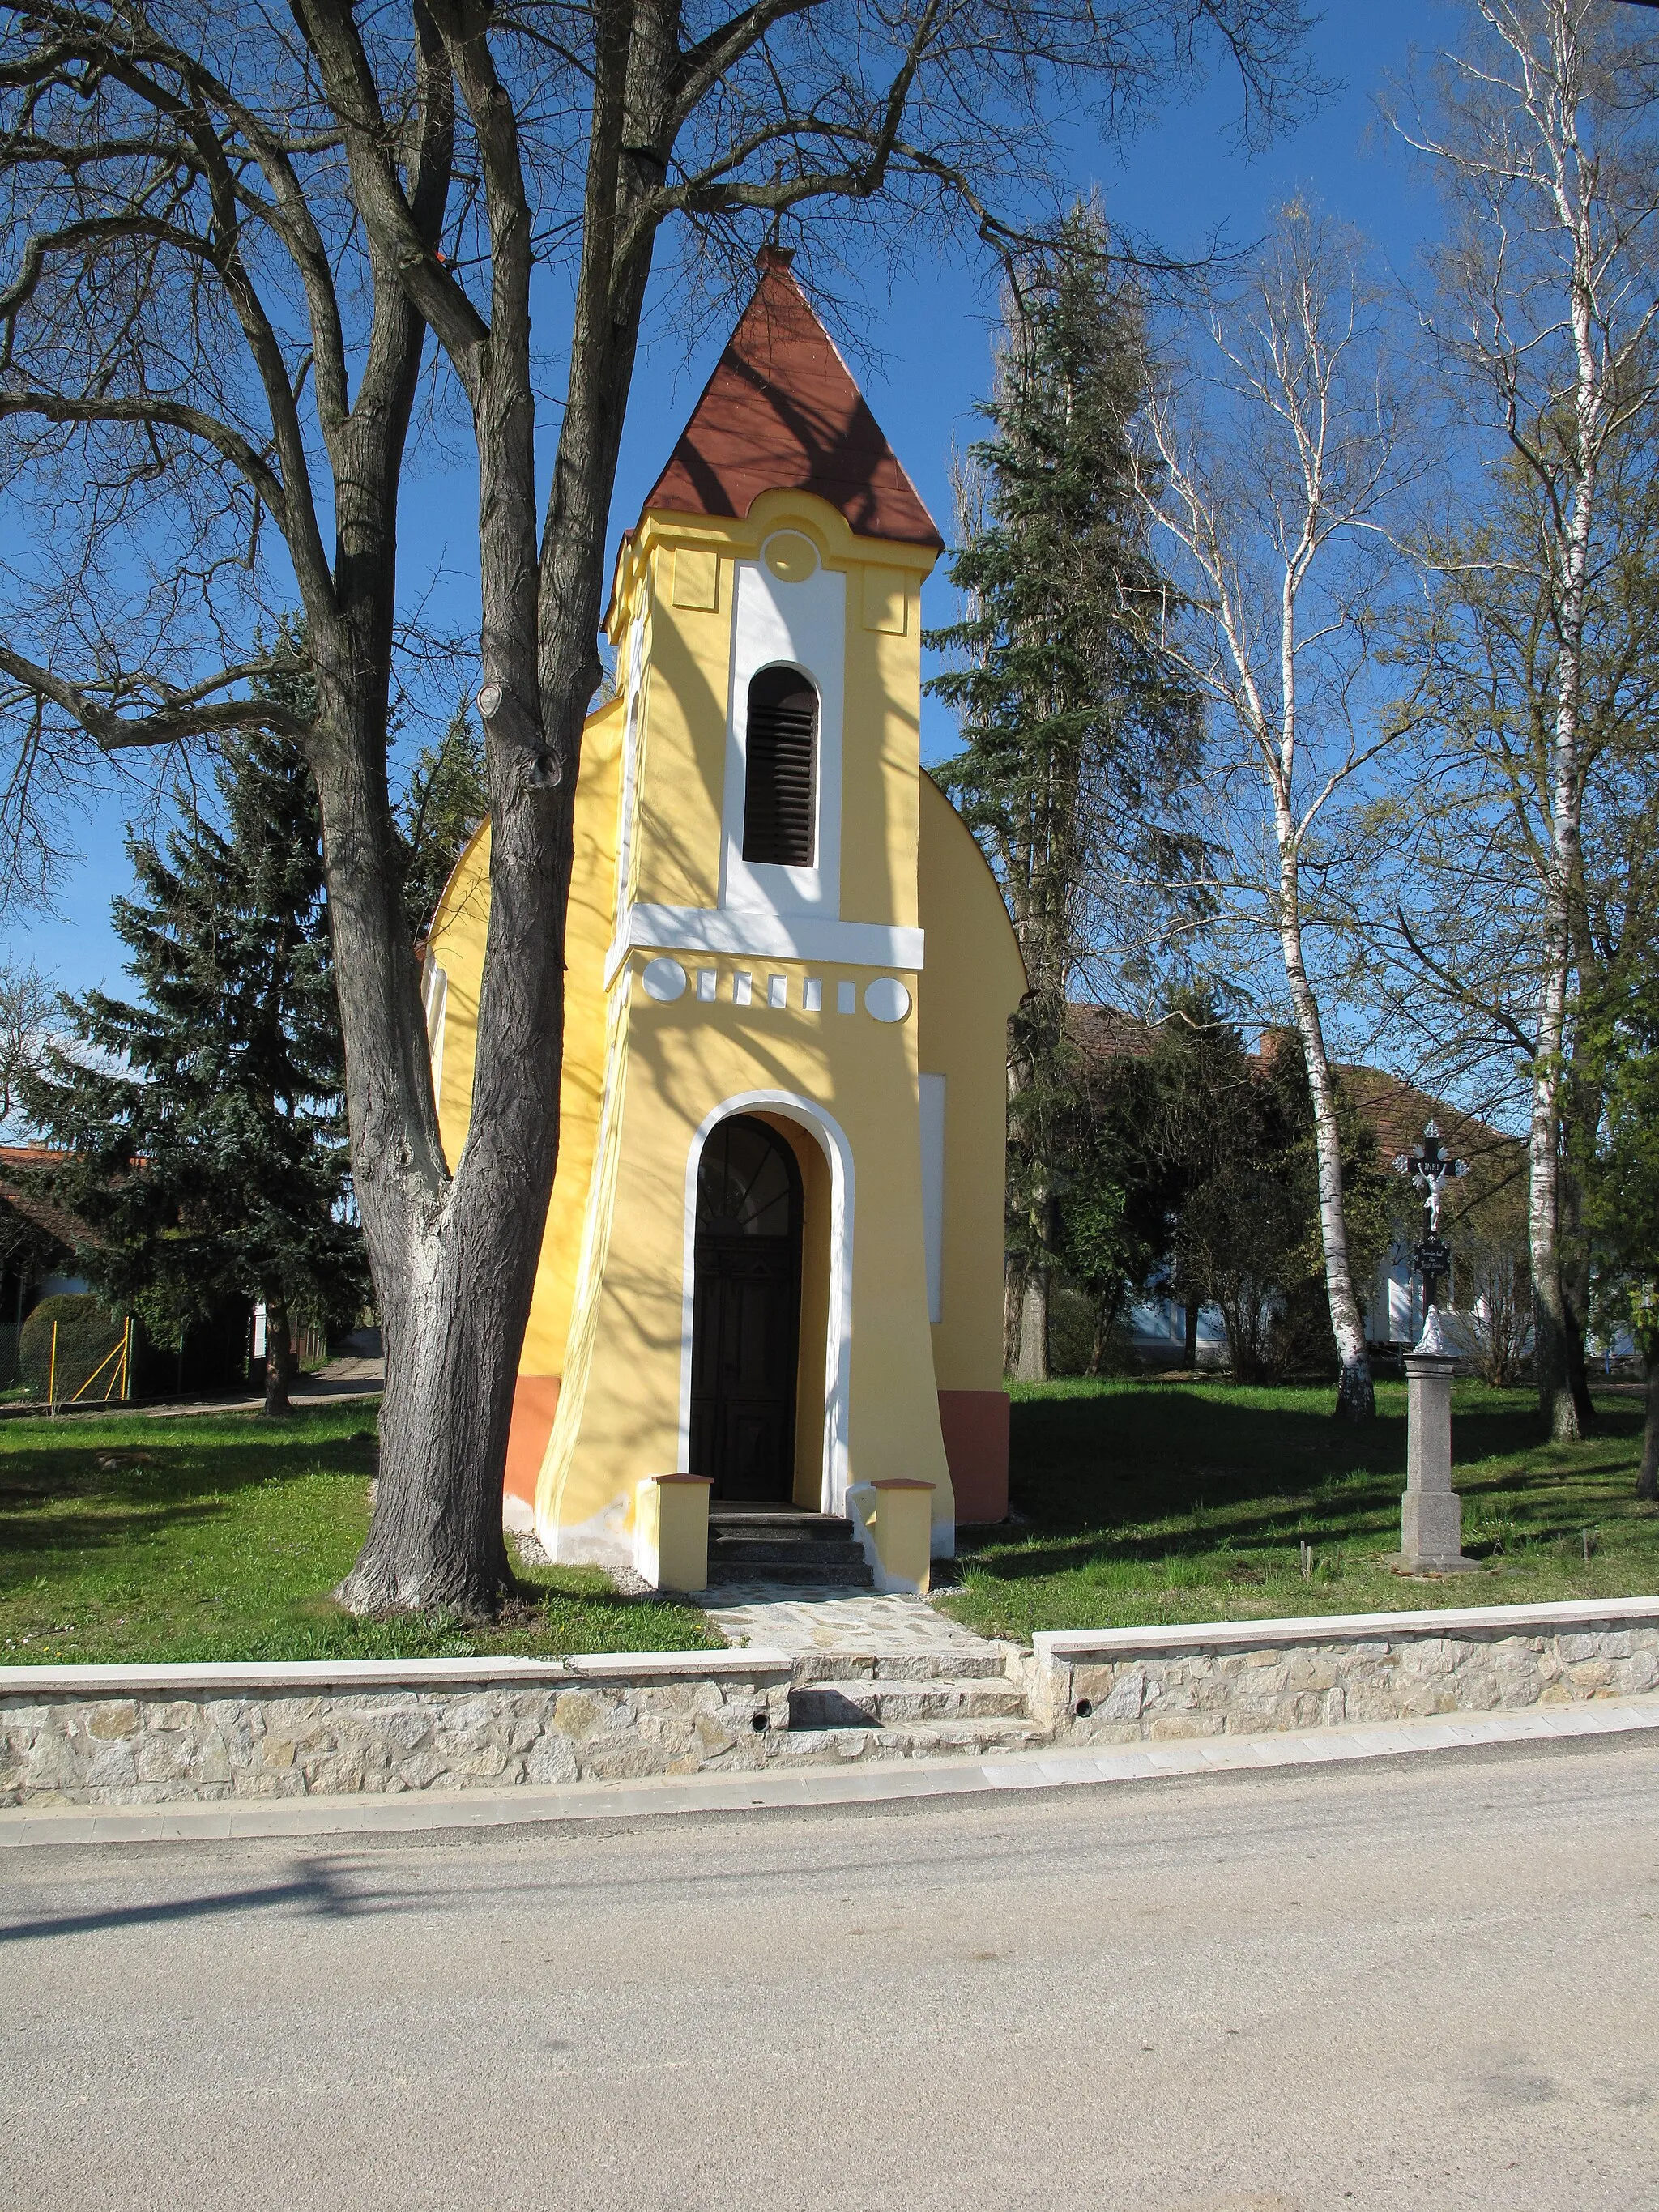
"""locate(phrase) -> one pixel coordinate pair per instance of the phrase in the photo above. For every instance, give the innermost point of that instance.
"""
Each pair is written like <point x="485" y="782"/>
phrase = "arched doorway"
<point x="746" y="1329"/>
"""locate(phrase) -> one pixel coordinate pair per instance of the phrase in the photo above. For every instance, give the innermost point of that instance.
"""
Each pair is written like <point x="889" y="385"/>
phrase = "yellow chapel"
<point x="772" y="1264"/>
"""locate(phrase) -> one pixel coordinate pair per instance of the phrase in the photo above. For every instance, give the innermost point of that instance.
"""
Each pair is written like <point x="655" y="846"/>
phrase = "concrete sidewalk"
<point x="345" y="1381"/>
<point x="412" y="1811"/>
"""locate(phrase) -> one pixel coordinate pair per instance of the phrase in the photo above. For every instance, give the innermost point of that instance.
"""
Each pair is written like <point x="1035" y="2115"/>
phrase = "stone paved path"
<point x="799" y="1617"/>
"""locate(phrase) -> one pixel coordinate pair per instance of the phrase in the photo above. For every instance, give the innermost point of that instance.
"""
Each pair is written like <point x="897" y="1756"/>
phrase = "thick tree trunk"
<point x="451" y="1267"/>
<point x="1033" y="1365"/>
<point x="1647" y="1481"/>
<point x="279" y="1358"/>
<point x="452" y="1350"/>
<point x="1013" y="1309"/>
<point x="454" y="1261"/>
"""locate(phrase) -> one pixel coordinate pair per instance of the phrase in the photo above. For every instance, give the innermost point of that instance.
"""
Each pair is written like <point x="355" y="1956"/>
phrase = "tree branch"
<point x="185" y="714"/>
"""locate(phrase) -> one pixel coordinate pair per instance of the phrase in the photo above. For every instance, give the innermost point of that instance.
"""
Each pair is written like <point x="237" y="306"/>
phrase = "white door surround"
<point x="831" y="1139"/>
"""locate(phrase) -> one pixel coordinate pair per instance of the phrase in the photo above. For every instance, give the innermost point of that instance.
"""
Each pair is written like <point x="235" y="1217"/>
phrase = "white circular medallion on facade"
<point x="663" y="980"/>
<point x="791" y="558"/>
<point x="886" y="999"/>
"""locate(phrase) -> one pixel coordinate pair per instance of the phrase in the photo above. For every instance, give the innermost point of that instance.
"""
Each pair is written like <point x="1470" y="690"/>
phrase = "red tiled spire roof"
<point x="781" y="413"/>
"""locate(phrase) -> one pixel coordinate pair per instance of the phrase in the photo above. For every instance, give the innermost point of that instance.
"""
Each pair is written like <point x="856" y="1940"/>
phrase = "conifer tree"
<point x="443" y="803"/>
<point x="206" y="1121"/>
<point x="1076" y="728"/>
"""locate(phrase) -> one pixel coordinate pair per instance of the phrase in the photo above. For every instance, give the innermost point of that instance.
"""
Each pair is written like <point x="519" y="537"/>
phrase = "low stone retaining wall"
<point x="1254" y="1678"/>
<point x="136" y="1736"/>
<point x="132" y="1736"/>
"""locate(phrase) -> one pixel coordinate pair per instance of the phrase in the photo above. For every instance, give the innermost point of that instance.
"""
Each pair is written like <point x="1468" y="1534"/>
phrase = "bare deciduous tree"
<point x="1280" y="471"/>
<point x="229" y="230"/>
<point x="27" y="1003"/>
<point x="1540" y="126"/>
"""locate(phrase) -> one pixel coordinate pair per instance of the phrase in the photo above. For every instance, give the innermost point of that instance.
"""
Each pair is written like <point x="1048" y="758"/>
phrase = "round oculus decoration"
<point x="664" y="980"/>
<point x="886" y="999"/>
<point x="791" y="558"/>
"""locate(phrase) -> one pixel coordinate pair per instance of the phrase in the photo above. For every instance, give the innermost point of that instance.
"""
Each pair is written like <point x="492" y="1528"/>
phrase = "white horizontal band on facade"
<point x="767" y="936"/>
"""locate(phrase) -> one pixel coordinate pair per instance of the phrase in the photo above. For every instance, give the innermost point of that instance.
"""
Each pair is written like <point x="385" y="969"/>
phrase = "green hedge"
<point x="86" y="1334"/>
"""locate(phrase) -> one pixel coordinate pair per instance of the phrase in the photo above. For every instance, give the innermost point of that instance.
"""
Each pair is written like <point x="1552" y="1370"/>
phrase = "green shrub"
<point x="87" y="1333"/>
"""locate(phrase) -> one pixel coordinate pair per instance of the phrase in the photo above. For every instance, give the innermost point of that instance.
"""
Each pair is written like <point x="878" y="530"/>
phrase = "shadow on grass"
<point x="1134" y="1475"/>
<point x="87" y="1495"/>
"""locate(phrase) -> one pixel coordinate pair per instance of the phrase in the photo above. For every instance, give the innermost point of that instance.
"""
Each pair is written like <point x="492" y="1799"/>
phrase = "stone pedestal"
<point x="670" y="1531"/>
<point x="893" y="1515"/>
<point x="1432" y="1512"/>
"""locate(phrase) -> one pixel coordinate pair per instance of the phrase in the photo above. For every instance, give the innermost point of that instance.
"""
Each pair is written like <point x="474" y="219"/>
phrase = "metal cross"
<point x="1428" y="1166"/>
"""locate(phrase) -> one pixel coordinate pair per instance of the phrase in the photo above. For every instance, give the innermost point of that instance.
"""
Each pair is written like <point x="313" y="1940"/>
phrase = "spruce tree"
<point x="443" y="803"/>
<point x="206" y="1121"/>
<point x="1077" y="728"/>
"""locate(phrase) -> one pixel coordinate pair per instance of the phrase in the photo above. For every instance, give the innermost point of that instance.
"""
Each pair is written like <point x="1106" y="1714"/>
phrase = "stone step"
<point x="805" y="1571"/>
<point x="722" y="1546"/>
<point x="943" y="1662"/>
<point x="855" y="1703"/>
<point x="966" y="1739"/>
<point x="776" y="1521"/>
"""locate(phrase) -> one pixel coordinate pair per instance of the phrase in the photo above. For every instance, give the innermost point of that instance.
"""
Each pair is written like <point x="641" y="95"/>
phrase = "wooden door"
<point x="745" y="1338"/>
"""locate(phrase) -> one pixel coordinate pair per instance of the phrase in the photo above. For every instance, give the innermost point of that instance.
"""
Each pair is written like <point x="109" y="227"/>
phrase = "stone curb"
<point x="1063" y="1644"/>
<point x="401" y="1674"/>
<point x="416" y="1812"/>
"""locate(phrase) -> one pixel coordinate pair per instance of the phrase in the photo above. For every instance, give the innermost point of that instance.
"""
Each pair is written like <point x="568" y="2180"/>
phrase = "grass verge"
<point x="1141" y="1502"/>
<point x="219" y="1537"/>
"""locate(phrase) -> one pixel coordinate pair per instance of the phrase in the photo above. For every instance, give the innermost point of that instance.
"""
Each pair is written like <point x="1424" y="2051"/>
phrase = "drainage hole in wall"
<point x="1084" y="1707"/>
<point x="759" y="1722"/>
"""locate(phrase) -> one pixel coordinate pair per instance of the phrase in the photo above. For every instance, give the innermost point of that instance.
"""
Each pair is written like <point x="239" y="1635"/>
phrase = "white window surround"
<point x="767" y="937"/>
<point x="801" y="625"/>
<point x="838" y="1347"/>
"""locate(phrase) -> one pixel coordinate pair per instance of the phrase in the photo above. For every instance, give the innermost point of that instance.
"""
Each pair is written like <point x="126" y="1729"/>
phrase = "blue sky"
<point x="924" y="362"/>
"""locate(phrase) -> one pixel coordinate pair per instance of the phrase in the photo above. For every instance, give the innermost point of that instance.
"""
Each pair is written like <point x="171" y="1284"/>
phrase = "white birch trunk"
<point x="1356" y="1396"/>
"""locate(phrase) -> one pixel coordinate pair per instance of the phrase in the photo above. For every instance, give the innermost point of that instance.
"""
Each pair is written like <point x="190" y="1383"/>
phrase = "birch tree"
<point x="1473" y="864"/>
<point x="1283" y="455"/>
<point x="228" y="232"/>
<point x="1539" y="125"/>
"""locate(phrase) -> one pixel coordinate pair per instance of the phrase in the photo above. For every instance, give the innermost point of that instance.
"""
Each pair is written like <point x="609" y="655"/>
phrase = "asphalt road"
<point x="1414" y="1986"/>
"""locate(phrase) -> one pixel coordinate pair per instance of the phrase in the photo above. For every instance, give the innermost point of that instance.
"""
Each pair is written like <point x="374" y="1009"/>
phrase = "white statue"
<point x="1431" y="1187"/>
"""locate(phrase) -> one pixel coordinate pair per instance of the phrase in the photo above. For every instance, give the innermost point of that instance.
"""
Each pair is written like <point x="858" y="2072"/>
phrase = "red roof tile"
<point x="1395" y="1109"/>
<point x="781" y="413"/>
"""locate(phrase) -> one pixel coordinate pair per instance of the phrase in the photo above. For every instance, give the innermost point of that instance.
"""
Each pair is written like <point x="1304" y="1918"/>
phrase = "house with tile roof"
<point x="1397" y="1112"/>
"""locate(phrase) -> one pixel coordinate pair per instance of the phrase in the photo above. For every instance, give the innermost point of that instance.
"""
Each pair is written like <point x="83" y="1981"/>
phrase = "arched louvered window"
<point x="780" y="803"/>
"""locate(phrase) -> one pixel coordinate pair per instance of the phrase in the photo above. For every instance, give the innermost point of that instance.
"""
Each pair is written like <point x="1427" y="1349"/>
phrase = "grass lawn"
<point x="219" y="1538"/>
<point x="1150" y="1502"/>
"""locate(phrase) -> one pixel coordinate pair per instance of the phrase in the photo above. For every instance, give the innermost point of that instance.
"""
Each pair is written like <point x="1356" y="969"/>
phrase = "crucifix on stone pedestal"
<point x="1432" y="1512"/>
